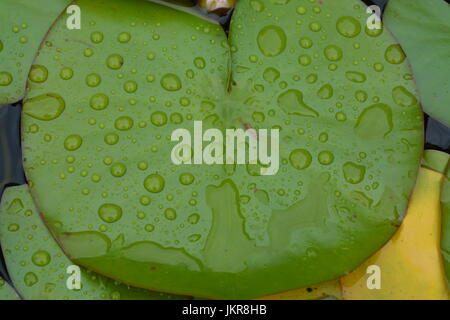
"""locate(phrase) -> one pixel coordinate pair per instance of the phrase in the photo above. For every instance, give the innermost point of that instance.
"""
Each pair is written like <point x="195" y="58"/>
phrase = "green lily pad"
<point x="7" y="292"/>
<point x="423" y="30"/>
<point x="23" y="25"/>
<point x="38" y="266"/>
<point x="97" y="144"/>
<point x="445" y="244"/>
<point x="435" y="160"/>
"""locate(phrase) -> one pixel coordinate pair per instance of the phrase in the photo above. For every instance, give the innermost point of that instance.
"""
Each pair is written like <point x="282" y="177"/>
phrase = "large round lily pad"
<point x="97" y="144"/>
<point x="38" y="266"/>
<point x="23" y="25"/>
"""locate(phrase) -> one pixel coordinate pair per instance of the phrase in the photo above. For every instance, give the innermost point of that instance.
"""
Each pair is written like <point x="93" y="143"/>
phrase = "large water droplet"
<point x="354" y="173"/>
<point x="114" y="61"/>
<point x="171" y="82"/>
<point x="110" y="213"/>
<point x="374" y="122"/>
<point x="45" y="107"/>
<point x="394" y="54"/>
<point x="333" y="53"/>
<point x="154" y="183"/>
<point x="123" y="123"/>
<point x="292" y="103"/>
<point x="38" y="74"/>
<point x="73" y="142"/>
<point x="403" y="97"/>
<point x="5" y="79"/>
<point x="99" y="101"/>
<point x="300" y="159"/>
<point x="348" y="27"/>
<point x="271" y="41"/>
<point x="41" y="258"/>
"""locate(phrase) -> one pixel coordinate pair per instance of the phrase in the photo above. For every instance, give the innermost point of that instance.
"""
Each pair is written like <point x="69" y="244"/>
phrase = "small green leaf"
<point x="37" y="265"/>
<point x="423" y="30"/>
<point x="23" y="25"/>
<point x="435" y="160"/>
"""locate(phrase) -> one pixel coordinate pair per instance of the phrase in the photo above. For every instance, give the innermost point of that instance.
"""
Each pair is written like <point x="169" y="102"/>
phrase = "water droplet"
<point x="315" y="26"/>
<point x="333" y="53"/>
<point x="326" y="158"/>
<point x="5" y="79"/>
<point x="111" y="139"/>
<point x="45" y="107"/>
<point x="348" y="27"/>
<point x="38" y="74"/>
<point x="306" y="43"/>
<point x="124" y="37"/>
<point x="394" y="54"/>
<point x="292" y="103"/>
<point x="403" y="97"/>
<point x="93" y="80"/>
<point x="186" y="179"/>
<point x="194" y="237"/>
<point x="66" y="73"/>
<point x="130" y="86"/>
<point x="123" y="123"/>
<point x="170" y="214"/>
<point x="271" y="75"/>
<point x="158" y="118"/>
<point x="194" y="218"/>
<point x="154" y="183"/>
<point x="96" y="37"/>
<point x="304" y="60"/>
<point x="13" y="227"/>
<point x="354" y="76"/>
<point x="257" y="5"/>
<point x="73" y="142"/>
<point x="200" y="63"/>
<point x="99" y="101"/>
<point x="326" y="92"/>
<point x="300" y="159"/>
<point x="374" y="122"/>
<point x="114" y="61"/>
<point x="171" y="82"/>
<point x="149" y="228"/>
<point x="41" y="258"/>
<point x="271" y="41"/>
<point x="110" y="213"/>
<point x="118" y="170"/>
<point x="354" y="173"/>
<point x="30" y="279"/>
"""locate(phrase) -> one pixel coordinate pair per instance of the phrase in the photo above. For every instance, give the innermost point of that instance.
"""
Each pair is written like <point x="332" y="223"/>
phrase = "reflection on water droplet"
<point x="110" y="213"/>
<point x="348" y="27"/>
<point x="300" y="159"/>
<point x="154" y="183"/>
<point x="271" y="41"/>
<point x="354" y="173"/>
<point x="45" y="107"/>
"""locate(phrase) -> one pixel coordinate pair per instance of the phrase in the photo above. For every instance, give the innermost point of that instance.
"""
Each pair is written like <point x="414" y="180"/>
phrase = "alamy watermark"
<point x="237" y="147"/>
